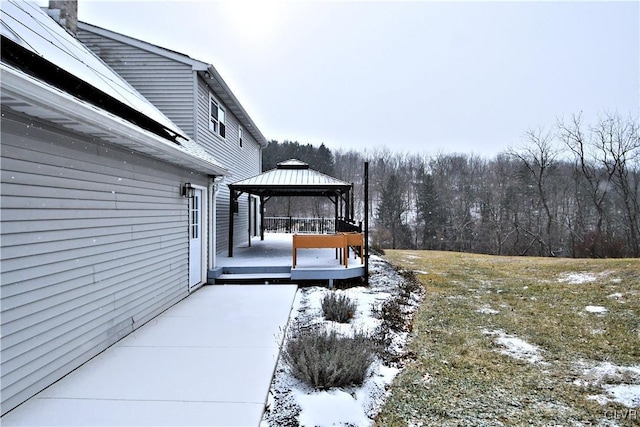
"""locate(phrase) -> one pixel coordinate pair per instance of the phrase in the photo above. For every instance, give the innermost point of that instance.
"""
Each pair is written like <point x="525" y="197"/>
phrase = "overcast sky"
<point x="417" y="76"/>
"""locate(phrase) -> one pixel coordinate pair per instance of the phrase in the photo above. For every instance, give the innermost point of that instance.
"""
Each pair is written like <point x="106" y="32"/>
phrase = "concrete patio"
<point x="208" y="360"/>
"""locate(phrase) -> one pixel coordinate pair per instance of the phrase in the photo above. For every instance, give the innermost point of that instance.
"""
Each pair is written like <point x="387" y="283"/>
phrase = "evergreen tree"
<point x="429" y="209"/>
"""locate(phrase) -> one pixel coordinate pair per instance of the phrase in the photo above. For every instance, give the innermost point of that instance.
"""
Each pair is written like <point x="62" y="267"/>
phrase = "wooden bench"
<point x="320" y="241"/>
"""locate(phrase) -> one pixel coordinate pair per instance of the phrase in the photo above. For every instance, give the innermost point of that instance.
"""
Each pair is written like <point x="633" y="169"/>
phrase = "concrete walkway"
<point x="208" y="360"/>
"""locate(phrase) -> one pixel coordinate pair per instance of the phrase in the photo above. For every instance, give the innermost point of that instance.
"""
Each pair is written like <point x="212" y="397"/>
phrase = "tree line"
<point x="573" y="190"/>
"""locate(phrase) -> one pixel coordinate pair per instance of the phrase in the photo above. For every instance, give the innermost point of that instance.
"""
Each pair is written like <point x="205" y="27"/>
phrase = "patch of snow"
<point x="487" y="310"/>
<point x="608" y="369"/>
<point x="625" y="394"/>
<point x="580" y="278"/>
<point x="420" y="272"/>
<point x="327" y="408"/>
<point x="618" y="296"/>
<point x="599" y="398"/>
<point x="595" y="309"/>
<point x="516" y="347"/>
<point x="621" y="384"/>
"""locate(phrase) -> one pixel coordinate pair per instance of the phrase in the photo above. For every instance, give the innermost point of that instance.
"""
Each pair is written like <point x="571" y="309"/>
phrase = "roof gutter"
<point x="36" y="93"/>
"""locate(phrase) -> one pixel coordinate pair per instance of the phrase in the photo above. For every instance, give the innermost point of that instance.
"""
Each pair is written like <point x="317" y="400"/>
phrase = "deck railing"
<point x="289" y="224"/>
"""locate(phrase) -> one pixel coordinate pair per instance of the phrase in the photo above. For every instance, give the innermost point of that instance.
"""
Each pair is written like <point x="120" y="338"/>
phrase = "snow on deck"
<point x="277" y="250"/>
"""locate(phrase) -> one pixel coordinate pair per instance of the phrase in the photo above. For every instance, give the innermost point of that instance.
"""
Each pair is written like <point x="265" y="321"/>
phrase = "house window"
<point x="216" y="116"/>
<point x="240" y="134"/>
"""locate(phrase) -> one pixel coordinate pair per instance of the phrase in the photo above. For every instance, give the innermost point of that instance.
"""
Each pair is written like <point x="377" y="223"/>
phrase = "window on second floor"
<point x="240" y="134"/>
<point x="216" y="117"/>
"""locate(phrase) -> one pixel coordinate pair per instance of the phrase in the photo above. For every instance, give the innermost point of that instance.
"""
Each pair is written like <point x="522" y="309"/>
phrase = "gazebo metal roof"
<point x="291" y="178"/>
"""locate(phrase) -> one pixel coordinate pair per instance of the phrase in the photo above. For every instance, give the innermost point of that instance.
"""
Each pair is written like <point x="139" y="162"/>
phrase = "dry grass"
<point x="460" y="377"/>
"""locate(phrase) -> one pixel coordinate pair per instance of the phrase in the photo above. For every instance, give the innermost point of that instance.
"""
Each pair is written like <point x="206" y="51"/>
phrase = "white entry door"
<point x="195" y="239"/>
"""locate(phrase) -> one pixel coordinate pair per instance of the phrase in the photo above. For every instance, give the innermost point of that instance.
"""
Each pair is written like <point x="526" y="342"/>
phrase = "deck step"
<point x="252" y="276"/>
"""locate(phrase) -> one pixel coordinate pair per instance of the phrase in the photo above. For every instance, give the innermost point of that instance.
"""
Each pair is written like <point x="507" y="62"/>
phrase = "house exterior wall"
<point x="175" y="89"/>
<point x="166" y="83"/>
<point x="242" y="162"/>
<point x="94" y="244"/>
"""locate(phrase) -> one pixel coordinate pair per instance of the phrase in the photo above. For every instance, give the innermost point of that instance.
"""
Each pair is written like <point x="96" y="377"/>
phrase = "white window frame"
<point x="217" y="121"/>
<point x="240" y="131"/>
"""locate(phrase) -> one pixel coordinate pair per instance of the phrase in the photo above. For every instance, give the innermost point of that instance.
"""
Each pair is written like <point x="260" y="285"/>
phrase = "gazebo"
<point x="292" y="178"/>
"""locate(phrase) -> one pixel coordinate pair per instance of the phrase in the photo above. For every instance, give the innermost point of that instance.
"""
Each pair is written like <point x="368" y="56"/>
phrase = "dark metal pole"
<point x="366" y="223"/>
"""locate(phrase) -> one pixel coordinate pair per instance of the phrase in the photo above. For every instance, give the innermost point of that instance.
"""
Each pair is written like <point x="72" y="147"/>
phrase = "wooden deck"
<point x="271" y="261"/>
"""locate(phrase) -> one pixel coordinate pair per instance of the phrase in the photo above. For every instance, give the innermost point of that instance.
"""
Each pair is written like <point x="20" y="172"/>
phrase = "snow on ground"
<point x="595" y="309"/>
<point x="487" y="310"/>
<point x="327" y="408"/>
<point x="515" y="347"/>
<point x="292" y="403"/>
<point x="621" y="384"/>
<point x="580" y="278"/>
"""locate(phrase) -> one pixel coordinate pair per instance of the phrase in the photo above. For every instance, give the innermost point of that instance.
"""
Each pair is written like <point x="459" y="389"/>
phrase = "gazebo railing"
<point x="289" y="224"/>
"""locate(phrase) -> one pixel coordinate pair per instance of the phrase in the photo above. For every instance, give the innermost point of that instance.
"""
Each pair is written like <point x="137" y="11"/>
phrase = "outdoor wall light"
<point x="188" y="190"/>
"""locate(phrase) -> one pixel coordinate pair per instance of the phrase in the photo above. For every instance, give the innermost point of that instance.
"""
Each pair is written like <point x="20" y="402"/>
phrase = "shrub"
<point x="324" y="359"/>
<point x="338" y="308"/>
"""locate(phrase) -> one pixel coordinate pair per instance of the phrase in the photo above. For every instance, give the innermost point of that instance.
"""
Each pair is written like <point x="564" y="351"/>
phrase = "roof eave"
<point x="121" y="132"/>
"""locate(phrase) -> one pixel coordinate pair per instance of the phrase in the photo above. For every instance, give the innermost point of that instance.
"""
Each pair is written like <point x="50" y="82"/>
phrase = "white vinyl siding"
<point x="94" y="244"/>
<point x="158" y="86"/>
<point x="167" y="84"/>
<point x="242" y="162"/>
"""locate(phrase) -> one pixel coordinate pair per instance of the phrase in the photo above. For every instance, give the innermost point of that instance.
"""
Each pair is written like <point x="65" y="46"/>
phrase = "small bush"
<point x="323" y="359"/>
<point x="338" y="308"/>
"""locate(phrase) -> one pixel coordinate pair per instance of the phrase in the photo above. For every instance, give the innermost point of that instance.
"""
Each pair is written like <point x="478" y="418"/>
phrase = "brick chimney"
<point x="65" y="13"/>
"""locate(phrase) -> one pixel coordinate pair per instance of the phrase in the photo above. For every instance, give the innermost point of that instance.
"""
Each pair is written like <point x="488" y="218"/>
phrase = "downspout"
<point x="214" y="189"/>
<point x="212" y="223"/>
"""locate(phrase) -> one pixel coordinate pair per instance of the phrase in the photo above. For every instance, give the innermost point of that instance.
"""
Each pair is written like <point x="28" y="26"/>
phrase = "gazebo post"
<point x="249" y="218"/>
<point x="336" y="213"/>
<point x="262" y="201"/>
<point x="352" y="202"/>
<point x="232" y="198"/>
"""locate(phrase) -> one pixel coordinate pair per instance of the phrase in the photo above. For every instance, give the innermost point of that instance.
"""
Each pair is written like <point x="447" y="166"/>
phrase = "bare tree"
<point x="539" y="158"/>
<point x="619" y="143"/>
<point x="592" y="179"/>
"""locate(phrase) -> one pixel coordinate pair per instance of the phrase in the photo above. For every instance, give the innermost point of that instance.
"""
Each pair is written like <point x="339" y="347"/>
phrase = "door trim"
<point x="198" y="279"/>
